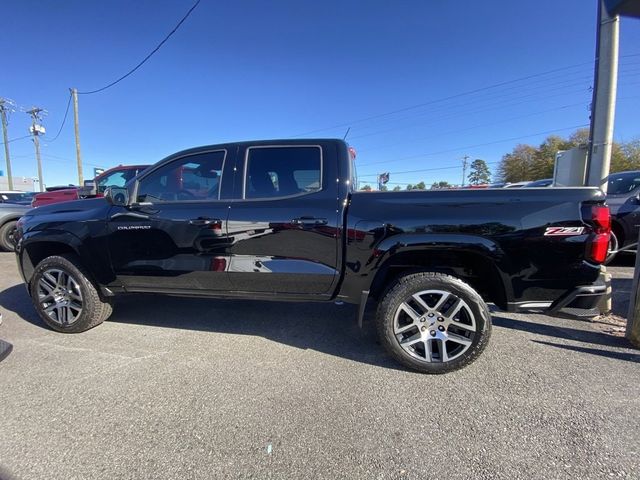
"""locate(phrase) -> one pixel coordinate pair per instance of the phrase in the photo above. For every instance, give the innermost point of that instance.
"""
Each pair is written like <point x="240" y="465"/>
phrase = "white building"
<point x="24" y="184"/>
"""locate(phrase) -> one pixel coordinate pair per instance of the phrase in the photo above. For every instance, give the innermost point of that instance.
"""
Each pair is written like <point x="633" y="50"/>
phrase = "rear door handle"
<point x="309" y="221"/>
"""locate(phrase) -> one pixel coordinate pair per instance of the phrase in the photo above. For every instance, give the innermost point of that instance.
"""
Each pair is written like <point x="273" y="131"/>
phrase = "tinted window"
<point x="191" y="178"/>
<point x="623" y="183"/>
<point x="116" y="179"/>
<point x="282" y="171"/>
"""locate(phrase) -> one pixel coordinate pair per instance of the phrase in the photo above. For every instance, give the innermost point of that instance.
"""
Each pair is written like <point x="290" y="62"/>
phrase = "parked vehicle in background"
<point x="9" y="215"/>
<point x="114" y="177"/>
<point x="623" y="198"/>
<point x="545" y="182"/>
<point x="517" y="184"/>
<point x="281" y="220"/>
<point x="16" y="196"/>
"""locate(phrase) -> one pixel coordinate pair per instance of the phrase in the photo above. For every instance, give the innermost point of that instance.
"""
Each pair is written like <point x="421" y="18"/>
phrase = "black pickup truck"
<point x="281" y="220"/>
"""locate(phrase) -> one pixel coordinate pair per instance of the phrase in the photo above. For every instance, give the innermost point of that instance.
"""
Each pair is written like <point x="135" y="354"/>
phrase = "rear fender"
<point x="395" y="250"/>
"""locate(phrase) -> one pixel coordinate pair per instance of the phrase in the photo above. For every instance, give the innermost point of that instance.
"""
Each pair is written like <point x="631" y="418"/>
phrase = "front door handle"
<point x="204" y="221"/>
<point x="309" y="221"/>
<point x="141" y="216"/>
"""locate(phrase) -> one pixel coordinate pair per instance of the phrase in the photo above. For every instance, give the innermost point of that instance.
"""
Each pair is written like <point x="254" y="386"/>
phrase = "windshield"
<point x="14" y="197"/>
<point x="622" y="183"/>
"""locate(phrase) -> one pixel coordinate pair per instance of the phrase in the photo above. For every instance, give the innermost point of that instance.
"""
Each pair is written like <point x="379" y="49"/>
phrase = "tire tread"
<point x="417" y="281"/>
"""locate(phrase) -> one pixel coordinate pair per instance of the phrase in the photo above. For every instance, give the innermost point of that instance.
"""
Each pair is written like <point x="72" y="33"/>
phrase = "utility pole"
<point x="5" y="136"/>
<point x="76" y="123"/>
<point x="603" y="105"/>
<point x="464" y="168"/>
<point x="37" y="129"/>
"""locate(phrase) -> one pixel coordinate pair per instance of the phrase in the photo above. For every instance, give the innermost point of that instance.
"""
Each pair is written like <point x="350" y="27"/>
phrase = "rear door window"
<point x="276" y="172"/>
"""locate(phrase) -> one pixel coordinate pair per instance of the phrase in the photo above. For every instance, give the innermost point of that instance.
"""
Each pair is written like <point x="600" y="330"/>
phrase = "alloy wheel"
<point x="59" y="296"/>
<point x="434" y="326"/>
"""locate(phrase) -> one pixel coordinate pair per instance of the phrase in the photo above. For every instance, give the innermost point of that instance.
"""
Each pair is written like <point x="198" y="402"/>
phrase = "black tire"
<point x="7" y="232"/>
<point x="93" y="309"/>
<point x="473" y="315"/>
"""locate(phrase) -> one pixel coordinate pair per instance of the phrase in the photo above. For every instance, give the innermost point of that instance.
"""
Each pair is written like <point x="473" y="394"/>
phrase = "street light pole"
<point x="76" y="123"/>
<point x="5" y="136"/>
<point x="36" y="129"/>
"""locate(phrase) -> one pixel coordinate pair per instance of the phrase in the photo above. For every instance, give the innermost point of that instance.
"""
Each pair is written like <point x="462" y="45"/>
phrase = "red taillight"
<point x="599" y="245"/>
<point x="601" y="218"/>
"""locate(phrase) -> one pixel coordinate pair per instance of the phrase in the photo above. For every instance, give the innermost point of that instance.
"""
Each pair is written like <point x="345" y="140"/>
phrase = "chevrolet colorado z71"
<point x="282" y="220"/>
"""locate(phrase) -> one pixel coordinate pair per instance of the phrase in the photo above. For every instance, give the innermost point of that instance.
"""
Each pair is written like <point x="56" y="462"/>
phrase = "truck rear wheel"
<point x="64" y="296"/>
<point x="433" y="323"/>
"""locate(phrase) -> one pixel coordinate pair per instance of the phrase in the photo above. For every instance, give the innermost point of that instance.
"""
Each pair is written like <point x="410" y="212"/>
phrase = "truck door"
<point x="175" y="238"/>
<point x="283" y="224"/>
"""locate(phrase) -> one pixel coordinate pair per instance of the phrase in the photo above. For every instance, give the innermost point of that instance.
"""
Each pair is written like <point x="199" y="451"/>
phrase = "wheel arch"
<point x="475" y="263"/>
<point x="9" y="218"/>
<point x="34" y="249"/>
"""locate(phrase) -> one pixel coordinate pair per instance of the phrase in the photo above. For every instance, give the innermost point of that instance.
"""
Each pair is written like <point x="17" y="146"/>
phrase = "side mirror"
<point x="117" y="196"/>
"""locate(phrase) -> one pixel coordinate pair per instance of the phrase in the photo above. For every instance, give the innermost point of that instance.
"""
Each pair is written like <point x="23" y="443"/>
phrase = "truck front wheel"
<point x="64" y="296"/>
<point x="433" y="323"/>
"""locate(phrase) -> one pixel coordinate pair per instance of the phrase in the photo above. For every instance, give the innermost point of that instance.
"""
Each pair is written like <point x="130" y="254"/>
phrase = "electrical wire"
<point x="147" y="57"/>
<point x="466" y="147"/>
<point x="450" y="97"/>
<point x="16" y="139"/>
<point x="473" y="127"/>
<point x="66" y="112"/>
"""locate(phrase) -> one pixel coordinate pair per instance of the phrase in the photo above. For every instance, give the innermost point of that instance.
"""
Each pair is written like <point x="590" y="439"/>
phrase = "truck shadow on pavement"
<point x="17" y="300"/>
<point x="574" y="334"/>
<point x="323" y="327"/>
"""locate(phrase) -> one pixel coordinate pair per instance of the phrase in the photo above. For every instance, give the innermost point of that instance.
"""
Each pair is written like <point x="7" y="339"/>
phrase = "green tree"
<point x="383" y="188"/>
<point x="440" y="184"/>
<point x="479" y="173"/>
<point x="397" y="188"/>
<point x="526" y="162"/>
<point x="420" y="186"/>
<point x="366" y="188"/>
<point x="545" y="157"/>
<point x="516" y="166"/>
<point x="409" y="187"/>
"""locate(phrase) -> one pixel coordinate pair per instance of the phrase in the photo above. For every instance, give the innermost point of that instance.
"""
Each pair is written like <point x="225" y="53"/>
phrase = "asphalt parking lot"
<point x="193" y="388"/>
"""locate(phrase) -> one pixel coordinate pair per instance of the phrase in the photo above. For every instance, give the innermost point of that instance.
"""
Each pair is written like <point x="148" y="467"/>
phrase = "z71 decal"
<point x="563" y="231"/>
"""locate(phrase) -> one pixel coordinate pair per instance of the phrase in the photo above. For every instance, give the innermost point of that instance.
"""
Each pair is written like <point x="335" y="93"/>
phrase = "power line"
<point x="493" y="99"/>
<point x="458" y="95"/>
<point x="473" y="127"/>
<point x="484" y="108"/>
<point x="469" y="146"/>
<point x="148" y="56"/>
<point x="66" y="112"/>
<point x="16" y="139"/>
<point x="450" y="97"/>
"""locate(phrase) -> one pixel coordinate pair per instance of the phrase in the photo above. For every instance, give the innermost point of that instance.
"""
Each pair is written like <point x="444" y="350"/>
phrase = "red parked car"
<point x="114" y="177"/>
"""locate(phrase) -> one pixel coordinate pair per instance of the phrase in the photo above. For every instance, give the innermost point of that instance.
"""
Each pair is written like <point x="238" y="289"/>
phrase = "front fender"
<point x="32" y="244"/>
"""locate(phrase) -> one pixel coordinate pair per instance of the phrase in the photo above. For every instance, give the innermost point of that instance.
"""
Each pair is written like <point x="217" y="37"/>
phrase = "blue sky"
<point x="253" y="69"/>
